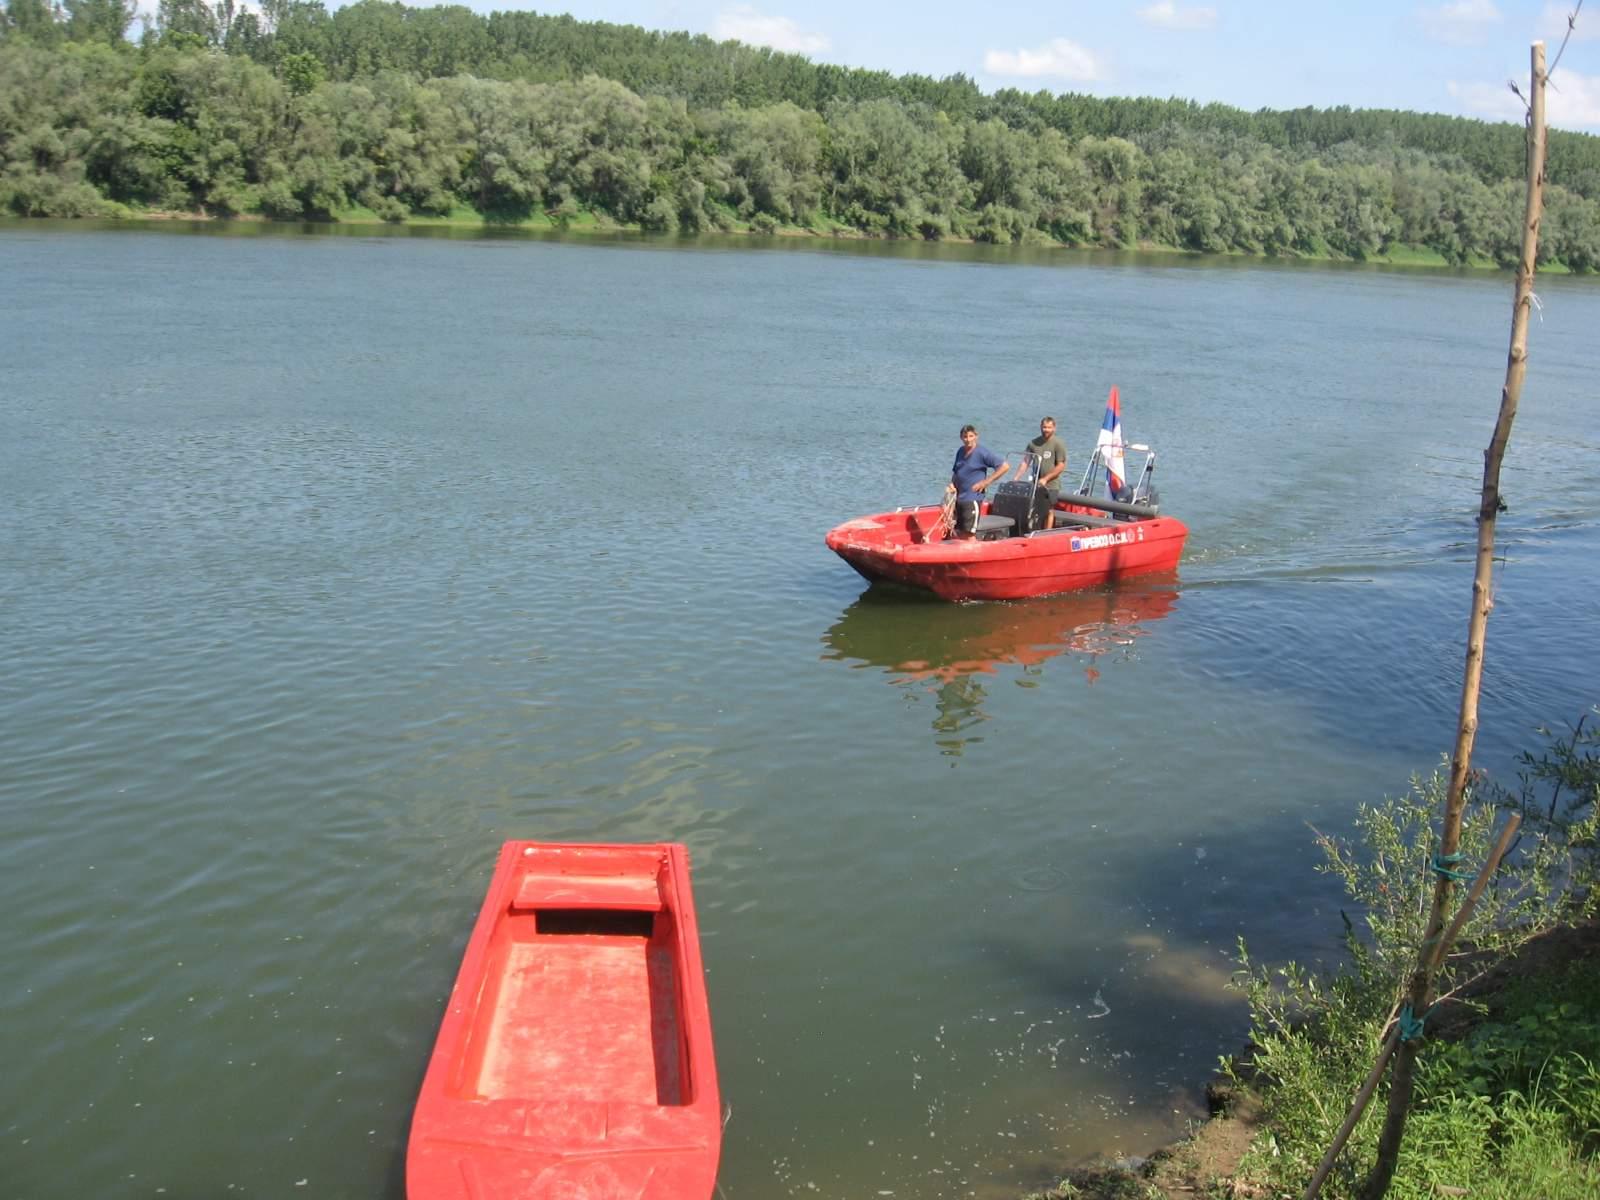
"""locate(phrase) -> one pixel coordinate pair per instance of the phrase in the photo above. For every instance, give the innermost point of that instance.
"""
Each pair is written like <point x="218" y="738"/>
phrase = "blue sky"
<point x="1451" y="57"/>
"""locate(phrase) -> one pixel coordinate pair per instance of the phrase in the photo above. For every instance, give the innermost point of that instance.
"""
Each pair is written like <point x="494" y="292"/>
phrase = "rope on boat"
<point x="946" y="521"/>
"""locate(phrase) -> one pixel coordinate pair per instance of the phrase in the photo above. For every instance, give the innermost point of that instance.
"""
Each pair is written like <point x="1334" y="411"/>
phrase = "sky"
<point x="1454" y="57"/>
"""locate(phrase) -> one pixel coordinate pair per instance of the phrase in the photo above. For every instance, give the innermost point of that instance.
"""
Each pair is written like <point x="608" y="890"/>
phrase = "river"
<point x="328" y="562"/>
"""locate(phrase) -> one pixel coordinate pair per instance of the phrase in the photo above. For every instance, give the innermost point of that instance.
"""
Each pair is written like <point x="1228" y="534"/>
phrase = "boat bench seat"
<point x="991" y="526"/>
<point x="636" y="893"/>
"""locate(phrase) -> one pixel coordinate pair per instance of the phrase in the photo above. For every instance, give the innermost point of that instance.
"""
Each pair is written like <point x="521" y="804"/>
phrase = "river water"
<point x="329" y="562"/>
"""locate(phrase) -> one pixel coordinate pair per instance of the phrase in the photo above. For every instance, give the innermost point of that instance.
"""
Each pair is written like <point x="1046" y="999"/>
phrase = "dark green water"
<point x="327" y="563"/>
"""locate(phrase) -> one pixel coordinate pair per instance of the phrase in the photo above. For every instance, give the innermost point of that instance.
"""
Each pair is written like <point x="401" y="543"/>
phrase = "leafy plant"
<point x="1513" y="1108"/>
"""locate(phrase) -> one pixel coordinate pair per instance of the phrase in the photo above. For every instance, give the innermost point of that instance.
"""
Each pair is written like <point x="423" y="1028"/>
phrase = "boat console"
<point x="1024" y="506"/>
<point x="1023" y="501"/>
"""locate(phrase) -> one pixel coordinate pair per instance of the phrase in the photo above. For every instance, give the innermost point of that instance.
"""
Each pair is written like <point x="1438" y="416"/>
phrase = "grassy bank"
<point x="1508" y="1106"/>
<point x="1507" y="1097"/>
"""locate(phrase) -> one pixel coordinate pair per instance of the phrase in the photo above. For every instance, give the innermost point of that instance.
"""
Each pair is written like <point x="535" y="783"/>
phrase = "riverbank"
<point x="1538" y="1011"/>
<point x="588" y="222"/>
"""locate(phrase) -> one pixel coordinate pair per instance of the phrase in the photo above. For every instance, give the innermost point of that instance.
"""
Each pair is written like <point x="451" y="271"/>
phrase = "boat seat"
<point x="990" y="527"/>
<point x="636" y="893"/>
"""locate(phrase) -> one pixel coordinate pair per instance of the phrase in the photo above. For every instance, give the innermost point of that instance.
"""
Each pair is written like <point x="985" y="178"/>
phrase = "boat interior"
<point x="1019" y="507"/>
<point x="582" y="995"/>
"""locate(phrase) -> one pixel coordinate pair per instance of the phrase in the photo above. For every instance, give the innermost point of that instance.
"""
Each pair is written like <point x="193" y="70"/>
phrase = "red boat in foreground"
<point x="574" y="1059"/>
<point x="1013" y="555"/>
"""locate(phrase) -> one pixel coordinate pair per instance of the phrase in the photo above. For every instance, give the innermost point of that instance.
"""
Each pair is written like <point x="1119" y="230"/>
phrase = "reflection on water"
<point x="960" y="707"/>
<point x="949" y="649"/>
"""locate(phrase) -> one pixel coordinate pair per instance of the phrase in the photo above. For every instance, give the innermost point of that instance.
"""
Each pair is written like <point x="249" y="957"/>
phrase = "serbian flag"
<point x="1109" y="444"/>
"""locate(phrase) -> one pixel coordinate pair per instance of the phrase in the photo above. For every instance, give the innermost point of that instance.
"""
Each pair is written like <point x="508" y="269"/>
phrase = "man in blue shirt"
<point x="976" y="467"/>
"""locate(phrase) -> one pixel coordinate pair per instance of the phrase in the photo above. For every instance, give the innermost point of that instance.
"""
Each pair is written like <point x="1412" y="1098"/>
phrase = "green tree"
<point x="50" y="102"/>
<point x="894" y="169"/>
<point x="419" y="152"/>
<point x="1572" y="230"/>
<point x="36" y="21"/>
<point x="104" y="21"/>
<point x="505" y="173"/>
<point x="195" y="18"/>
<point x="1116" y="167"/>
<point x="1000" y="164"/>
<point x="1065" y="190"/>
<point x="773" y="156"/>
<point x="301" y="72"/>
<point x="519" y="110"/>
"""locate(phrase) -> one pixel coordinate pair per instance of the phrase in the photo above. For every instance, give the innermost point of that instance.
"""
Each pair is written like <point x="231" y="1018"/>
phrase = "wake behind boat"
<point x="1013" y="556"/>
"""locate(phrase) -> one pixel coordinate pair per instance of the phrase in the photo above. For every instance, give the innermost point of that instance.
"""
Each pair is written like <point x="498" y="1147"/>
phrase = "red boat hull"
<point x="890" y="546"/>
<point x="574" y="1059"/>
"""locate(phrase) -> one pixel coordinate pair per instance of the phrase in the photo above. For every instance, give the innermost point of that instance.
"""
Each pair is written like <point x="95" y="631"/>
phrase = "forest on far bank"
<point x="296" y="113"/>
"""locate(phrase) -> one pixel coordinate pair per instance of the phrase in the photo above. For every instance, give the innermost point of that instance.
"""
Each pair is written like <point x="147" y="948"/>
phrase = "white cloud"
<point x="1462" y="23"/>
<point x="1167" y="15"/>
<point x="1572" y="101"/>
<point x="1058" y="57"/>
<point x="1492" y="101"/>
<point x="743" y="23"/>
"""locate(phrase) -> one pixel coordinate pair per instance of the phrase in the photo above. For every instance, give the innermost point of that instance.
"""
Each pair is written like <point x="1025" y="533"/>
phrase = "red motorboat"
<point x="574" y="1059"/>
<point x="1013" y="556"/>
<point x="999" y="564"/>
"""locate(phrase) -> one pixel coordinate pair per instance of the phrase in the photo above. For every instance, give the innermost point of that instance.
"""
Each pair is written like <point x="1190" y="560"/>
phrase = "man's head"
<point x="1047" y="427"/>
<point x="969" y="436"/>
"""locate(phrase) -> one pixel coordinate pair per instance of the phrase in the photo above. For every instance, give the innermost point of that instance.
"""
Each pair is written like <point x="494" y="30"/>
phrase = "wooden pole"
<point x="1420" y="992"/>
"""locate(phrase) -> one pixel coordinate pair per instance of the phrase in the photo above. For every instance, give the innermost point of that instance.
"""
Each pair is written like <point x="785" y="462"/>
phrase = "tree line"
<point x="296" y="113"/>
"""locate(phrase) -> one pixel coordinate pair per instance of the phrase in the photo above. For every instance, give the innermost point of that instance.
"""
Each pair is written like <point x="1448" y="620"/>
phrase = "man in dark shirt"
<point x="1051" y="453"/>
<point x="976" y="467"/>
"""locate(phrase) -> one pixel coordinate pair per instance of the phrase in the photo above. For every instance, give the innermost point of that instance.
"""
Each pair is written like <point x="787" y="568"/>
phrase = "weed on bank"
<point x="1507" y="1103"/>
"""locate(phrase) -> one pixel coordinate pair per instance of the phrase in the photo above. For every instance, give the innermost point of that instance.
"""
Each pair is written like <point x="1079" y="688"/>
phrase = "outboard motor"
<point x="1023" y="501"/>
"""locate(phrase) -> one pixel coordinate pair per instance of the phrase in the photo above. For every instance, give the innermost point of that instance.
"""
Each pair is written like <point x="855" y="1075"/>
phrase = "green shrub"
<point x="1513" y="1108"/>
